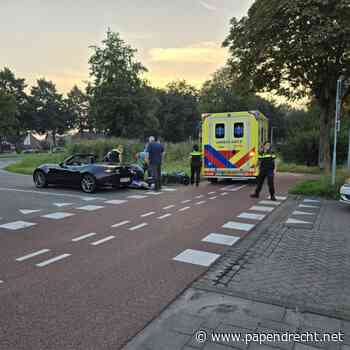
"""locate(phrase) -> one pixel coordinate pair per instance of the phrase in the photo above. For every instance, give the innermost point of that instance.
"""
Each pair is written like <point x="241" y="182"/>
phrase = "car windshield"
<point x="80" y="160"/>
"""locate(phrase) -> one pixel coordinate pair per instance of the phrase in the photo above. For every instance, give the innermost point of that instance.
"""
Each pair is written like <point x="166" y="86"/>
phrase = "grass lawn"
<point x="29" y="162"/>
<point x="321" y="187"/>
<point x="296" y="168"/>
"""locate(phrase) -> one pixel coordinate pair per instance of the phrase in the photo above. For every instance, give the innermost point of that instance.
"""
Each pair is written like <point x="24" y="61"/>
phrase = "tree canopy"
<point x="294" y="48"/>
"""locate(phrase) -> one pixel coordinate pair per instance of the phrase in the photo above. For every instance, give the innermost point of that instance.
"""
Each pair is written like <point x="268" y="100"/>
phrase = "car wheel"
<point x="40" y="179"/>
<point x="88" y="183"/>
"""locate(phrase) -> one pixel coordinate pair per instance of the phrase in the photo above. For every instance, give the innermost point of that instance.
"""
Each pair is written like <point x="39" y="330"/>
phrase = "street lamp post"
<point x="336" y="126"/>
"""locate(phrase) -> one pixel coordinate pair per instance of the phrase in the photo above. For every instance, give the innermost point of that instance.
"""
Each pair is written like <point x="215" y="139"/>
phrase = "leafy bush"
<point x="301" y="148"/>
<point x="102" y="146"/>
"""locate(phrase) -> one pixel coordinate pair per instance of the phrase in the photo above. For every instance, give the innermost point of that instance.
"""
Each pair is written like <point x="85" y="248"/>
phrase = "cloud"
<point x="208" y="6"/>
<point x="202" y="53"/>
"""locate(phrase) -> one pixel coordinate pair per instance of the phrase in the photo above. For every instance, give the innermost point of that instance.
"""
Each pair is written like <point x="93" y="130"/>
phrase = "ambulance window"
<point x="238" y="130"/>
<point x="220" y="131"/>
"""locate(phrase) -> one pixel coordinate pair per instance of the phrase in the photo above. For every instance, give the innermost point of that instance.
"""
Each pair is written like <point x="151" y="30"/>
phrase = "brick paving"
<point x="280" y="278"/>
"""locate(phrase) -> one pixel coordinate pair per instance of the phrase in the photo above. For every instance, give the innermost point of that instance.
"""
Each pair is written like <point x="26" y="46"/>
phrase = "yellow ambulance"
<point x="230" y="144"/>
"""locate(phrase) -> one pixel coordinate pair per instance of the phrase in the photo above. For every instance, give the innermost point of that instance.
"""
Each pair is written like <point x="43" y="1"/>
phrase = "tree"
<point x="294" y="48"/>
<point x="179" y="113"/>
<point x="8" y="114"/>
<point x="48" y="108"/>
<point x="78" y="107"/>
<point x="117" y="88"/>
<point x="225" y="93"/>
<point x="16" y="88"/>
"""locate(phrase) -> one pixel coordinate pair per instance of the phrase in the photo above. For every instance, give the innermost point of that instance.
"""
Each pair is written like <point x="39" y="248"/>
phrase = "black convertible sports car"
<point x="82" y="170"/>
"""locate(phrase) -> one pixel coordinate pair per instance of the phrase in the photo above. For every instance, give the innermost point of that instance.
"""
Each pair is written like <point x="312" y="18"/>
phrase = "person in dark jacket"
<point x="267" y="168"/>
<point x="155" y="152"/>
<point x="196" y="165"/>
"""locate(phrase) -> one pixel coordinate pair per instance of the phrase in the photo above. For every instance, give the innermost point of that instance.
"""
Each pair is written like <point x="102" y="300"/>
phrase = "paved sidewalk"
<point x="291" y="274"/>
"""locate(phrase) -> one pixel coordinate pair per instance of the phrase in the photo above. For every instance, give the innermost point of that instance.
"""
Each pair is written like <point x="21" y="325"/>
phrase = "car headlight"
<point x="109" y="171"/>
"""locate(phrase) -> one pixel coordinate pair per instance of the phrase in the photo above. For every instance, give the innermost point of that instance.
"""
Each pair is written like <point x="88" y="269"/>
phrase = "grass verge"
<point x="321" y="187"/>
<point x="28" y="163"/>
<point x="296" y="168"/>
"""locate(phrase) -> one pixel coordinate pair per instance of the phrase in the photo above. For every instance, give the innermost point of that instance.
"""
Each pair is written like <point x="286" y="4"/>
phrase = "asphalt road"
<point x="77" y="282"/>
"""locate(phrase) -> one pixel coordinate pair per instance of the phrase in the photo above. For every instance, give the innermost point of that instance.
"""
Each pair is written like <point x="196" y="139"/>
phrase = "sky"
<point x="175" y="39"/>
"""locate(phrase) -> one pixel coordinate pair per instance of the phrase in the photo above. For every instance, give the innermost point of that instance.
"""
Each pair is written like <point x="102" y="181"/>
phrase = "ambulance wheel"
<point x="213" y="180"/>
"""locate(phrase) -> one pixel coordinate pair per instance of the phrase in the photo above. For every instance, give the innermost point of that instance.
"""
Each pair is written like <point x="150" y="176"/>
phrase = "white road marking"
<point x="235" y="189"/>
<point x="90" y="207"/>
<point x="154" y="193"/>
<point x="80" y="238"/>
<point x="32" y="255"/>
<point x="48" y="193"/>
<point x="164" y="216"/>
<point x="116" y="201"/>
<point x="89" y="199"/>
<point x="308" y="206"/>
<point x="197" y="257"/>
<point x="201" y="202"/>
<point x="261" y="208"/>
<point x="186" y="201"/>
<point x="224" y="188"/>
<point x="307" y="200"/>
<point x="138" y="226"/>
<point x="50" y="261"/>
<point x="218" y="238"/>
<point x="122" y="223"/>
<point x="224" y="194"/>
<point x="199" y="197"/>
<point x="295" y="221"/>
<point x="213" y="197"/>
<point x="29" y="211"/>
<point x="169" y="207"/>
<point x="168" y="189"/>
<point x="269" y="203"/>
<point x="281" y="198"/>
<point x="233" y="225"/>
<point x="212" y="192"/>
<point x="102" y="240"/>
<point x="57" y="216"/>
<point x="185" y="208"/>
<point x="148" y="214"/>
<point x="60" y="205"/>
<point x="1" y="281"/>
<point x="297" y="212"/>
<point x="137" y="196"/>
<point x="251" y="216"/>
<point x="17" y="225"/>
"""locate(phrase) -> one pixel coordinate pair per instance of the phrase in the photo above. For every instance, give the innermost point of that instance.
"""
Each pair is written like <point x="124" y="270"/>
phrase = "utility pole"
<point x="337" y="126"/>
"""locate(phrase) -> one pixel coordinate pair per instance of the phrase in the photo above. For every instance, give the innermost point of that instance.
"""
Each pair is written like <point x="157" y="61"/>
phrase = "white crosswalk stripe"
<point x="197" y="257"/>
<point x="32" y="255"/>
<point x="53" y="260"/>
<point x="80" y="238"/>
<point x="122" y="223"/>
<point x="103" y="240"/>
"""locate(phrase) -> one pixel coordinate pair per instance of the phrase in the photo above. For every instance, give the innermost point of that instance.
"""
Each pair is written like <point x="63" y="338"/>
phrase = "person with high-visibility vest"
<point x="196" y="165"/>
<point x="267" y="169"/>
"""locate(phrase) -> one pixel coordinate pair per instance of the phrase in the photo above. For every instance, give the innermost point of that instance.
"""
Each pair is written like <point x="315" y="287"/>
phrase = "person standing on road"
<point x="267" y="168"/>
<point x="154" y="159"/>
<point x="196" y="165"/>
